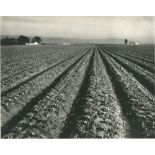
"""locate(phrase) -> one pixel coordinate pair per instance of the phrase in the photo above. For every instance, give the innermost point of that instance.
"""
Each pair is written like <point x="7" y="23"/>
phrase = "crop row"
<point x="144" y="77"/>
<point x="96" y="113"/>
<point x="142" y="52"/>
<point x="134" y="55"/>
<point x="142" y="63"/>
<point x="13" y="101"/>
<point x="16" y="79"/>
<point x="46" y="118"/>
<point x="139" y="101"/>
<point x="18" y="59"/>
<point x="95" y="93"/>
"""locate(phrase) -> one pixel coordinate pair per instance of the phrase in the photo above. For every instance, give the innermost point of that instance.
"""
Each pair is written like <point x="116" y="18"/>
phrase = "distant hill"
<point x="59" y="40"/>
<point x="50" y="40"/>
<point x="55" y="40"/>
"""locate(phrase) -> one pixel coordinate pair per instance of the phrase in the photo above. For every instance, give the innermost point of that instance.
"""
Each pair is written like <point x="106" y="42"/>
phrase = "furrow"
<point x="133" y="54"/>
<point x="14" y="102"/>
<point x="149" y="67"/>
<point x="144" y="77"/>
<point x="96" y="113"/>
<point x="17" y="59"/>
<point x="12" y="86"/>
<point x="45" y="119"/>
<point x="137" y="103"/>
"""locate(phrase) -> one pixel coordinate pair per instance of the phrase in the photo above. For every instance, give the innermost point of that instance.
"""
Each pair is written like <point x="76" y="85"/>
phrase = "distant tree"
<point x="126" y="41"/>
<point x="22" y="40"/>
<point x="8" y="41"/>
<point x="36" y="39"/>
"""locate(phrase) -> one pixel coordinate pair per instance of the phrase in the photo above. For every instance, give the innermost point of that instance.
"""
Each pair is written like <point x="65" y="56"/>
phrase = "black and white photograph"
<point x="77" y="77"/>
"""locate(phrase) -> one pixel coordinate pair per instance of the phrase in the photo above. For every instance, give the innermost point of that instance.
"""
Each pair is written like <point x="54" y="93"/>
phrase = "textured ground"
<point x="78" y="91"/>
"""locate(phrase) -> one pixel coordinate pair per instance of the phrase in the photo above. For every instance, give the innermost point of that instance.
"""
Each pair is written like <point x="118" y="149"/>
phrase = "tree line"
<point x="21" y="40"/>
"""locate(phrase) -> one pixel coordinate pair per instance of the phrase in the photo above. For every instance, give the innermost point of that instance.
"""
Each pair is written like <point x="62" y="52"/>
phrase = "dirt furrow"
<point x="16" y="60"/>
<point x="19" y="77"/>
<point x="13" y="102"/>
<point x="137" y="103"/>
<point x="46" y="107"/>
<point x="133" y="55"/>
<point x="9" y="85"/>
<point x="96" y="112"/>
<point x="149" y="67"/>
<point x="144" y="77"/>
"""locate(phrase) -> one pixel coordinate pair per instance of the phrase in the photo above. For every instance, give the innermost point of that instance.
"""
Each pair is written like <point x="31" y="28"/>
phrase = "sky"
<point x="134" y="28"/>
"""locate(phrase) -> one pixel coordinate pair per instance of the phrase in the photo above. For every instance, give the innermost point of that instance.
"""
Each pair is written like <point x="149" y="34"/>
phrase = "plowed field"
<point x="78" y="91"/>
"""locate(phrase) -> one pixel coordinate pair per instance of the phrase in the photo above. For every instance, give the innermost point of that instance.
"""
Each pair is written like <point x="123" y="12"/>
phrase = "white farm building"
<point x="35" y="43"/>
<point x="67" y="44"/>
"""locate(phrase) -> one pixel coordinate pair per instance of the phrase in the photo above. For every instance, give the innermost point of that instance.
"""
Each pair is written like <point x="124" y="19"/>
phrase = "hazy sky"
<point x="101" y="27"/>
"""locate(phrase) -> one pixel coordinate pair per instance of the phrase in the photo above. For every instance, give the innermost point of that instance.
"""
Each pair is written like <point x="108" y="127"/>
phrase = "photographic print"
<point x="77" y="77"/>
